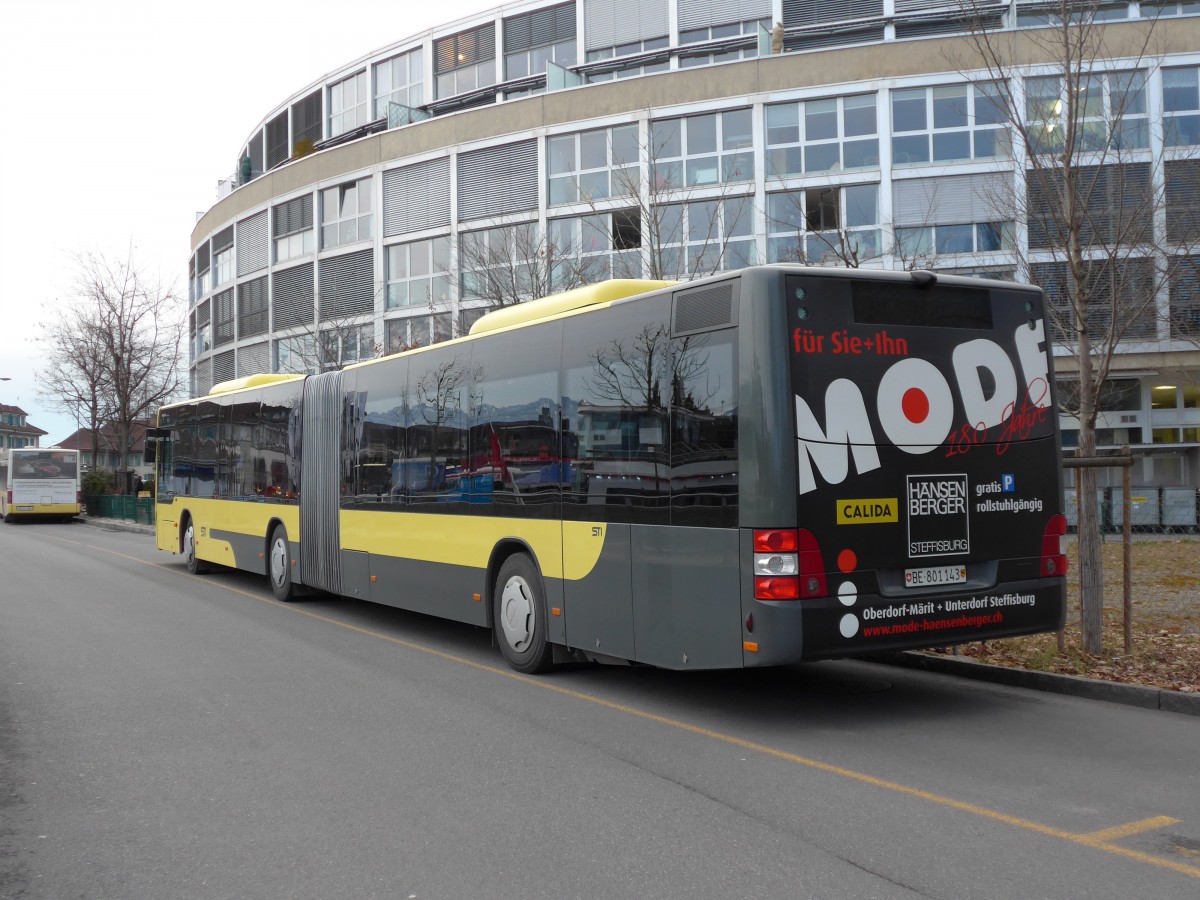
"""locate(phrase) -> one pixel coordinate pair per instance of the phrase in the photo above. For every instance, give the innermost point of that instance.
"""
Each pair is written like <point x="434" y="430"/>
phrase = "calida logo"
<point x="915" y="405"/>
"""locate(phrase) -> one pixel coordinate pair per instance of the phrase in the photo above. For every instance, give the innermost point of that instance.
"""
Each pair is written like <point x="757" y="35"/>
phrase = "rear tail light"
<point x="1054" y="549"/>
<point x="787" y="565"/>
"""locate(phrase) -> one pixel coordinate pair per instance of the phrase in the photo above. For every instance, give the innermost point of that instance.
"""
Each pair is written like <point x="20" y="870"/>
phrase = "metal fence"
<point x="136" y="509"/>
<point x="1153" y="510"/>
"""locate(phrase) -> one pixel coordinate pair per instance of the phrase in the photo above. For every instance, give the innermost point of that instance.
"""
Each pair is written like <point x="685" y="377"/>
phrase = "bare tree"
<point x="1090" y="205"/>
<point x="74" y="376"/>
<point x="140" y="335"/>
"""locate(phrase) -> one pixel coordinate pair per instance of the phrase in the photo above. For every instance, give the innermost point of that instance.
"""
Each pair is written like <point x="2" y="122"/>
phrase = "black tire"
<point x="519" y="616"/>
<point x="188" y="548"/>
<point x="279" y="565"/>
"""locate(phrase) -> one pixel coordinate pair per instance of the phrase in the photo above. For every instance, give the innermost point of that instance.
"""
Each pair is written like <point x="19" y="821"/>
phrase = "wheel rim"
<point x="279" y="562"/>
<point x="189" y="544"/>
<point x="516" y="613"/>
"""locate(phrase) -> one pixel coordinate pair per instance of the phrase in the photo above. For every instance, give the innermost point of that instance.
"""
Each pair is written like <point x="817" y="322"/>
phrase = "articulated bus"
<point x="767" y="466"/>
<point x="40" y="484"/>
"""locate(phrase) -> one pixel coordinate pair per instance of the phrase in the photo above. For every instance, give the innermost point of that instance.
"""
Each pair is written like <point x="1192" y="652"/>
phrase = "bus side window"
<point x="380" y="445"/>
<point x="617" y="391"/>
<point x="704" y="449"/>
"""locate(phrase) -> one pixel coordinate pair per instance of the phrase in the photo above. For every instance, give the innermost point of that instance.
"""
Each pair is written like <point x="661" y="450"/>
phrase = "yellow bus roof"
<point x="577" y="298"/>
<point x="250" y="381"/>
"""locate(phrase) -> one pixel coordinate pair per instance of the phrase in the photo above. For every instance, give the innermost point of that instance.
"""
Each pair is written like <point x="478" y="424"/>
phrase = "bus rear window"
<point x="881" y="303"/>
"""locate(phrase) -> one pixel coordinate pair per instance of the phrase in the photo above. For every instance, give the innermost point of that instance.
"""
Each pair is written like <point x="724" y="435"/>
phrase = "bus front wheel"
<point x="189" y="549"/>
<point x="519" y="616"/>
<point x="280" y="568"/>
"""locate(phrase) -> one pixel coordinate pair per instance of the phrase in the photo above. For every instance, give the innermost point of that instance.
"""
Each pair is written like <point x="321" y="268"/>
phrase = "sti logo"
<point x="915" y="405"/>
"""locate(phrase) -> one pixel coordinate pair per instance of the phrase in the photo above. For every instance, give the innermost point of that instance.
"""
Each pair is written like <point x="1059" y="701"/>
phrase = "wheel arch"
<point x="185" y="516"/>
<point x="273" y="523"/>
<point x="501" y="553"/>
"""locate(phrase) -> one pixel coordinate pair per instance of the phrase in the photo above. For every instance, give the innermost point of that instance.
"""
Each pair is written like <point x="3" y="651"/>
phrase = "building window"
<point x="292" y="228"/>
<point x="503" y="265"/>
<point x="631" y="48"/>
<point x="419" y="331"/>
<point x="1130" y="280"/>
<point x="203" y="275"/>
<point x="828" y="225"/>
<point x="223" y="259"/>
<point x="306" y="124"/>
<point x="203" y="338"/>
<point x="699" y="151"/>
<point x="296" y="355"/>
<point x="346" y="213"/>
<point x="592" y="165"/>
<point x="1110" y="111"/>
<point x="595" y="247"/>
<point x="702" y="237"/>
<point x="955" y="122"/>
<point x="418" y="274"/>
<point x="717" y="32"/>
<point x="349" y="104"/>
<point x="1116" y="205"/>
<point x="1152" y="9"/>
<point x="400" y="80"/>
<point x="466" y="61"/>
<point x="929" y="242"/>
<point x="342" y="346"/>
<point x="1185" y="297"/>
<point x="822" y="135"/>
<point x="1181" y="107"/>
<point x="1040" y="18"/>
<point x="532" y="40"/>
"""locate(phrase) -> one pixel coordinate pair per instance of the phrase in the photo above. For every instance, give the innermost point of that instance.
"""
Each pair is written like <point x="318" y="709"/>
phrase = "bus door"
<point x="927" y="459"/>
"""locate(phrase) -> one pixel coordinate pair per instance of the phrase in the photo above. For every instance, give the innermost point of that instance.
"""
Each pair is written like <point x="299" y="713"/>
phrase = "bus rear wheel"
<point x="189" y="549"/>
<point x="279" y="565"/>
<point x="519" y="616"/>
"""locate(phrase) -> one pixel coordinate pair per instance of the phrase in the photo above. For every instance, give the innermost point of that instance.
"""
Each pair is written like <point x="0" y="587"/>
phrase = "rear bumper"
<point x="860" y="625"/>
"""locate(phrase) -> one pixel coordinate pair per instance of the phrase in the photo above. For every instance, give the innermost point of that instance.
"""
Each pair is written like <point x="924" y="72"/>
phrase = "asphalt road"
<point x="165" y="735"/>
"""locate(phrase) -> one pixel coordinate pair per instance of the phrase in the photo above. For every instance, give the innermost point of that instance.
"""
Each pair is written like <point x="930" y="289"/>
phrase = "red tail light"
<point x="812" y="566"/>
<point x="1054" y="551"/>
<point x="787" y="565"/>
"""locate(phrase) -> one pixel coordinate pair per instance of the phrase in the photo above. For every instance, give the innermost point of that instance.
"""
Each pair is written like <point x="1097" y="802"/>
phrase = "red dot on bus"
<point x="847" y="560"/>
<point x="915" y="404"/>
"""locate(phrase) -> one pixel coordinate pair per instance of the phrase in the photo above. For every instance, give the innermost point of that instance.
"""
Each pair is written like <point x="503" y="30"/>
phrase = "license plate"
<point x="23" y="508"/>
<point x="932" y="575"/>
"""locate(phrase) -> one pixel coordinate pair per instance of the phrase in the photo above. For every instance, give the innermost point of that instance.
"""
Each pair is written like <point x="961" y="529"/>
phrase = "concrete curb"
<point x="118" y="525"/>
<point x="1091" y="688"/>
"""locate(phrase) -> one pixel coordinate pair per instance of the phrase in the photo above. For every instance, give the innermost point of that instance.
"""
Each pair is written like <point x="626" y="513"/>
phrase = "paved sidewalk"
<point x="1091" y="688"/>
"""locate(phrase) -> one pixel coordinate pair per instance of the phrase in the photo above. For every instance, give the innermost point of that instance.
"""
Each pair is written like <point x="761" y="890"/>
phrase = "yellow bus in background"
<point x="40" y="483"/>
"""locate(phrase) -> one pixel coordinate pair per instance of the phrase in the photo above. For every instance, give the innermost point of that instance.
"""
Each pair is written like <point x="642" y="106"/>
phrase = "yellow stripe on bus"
<point x="567" y="550"/>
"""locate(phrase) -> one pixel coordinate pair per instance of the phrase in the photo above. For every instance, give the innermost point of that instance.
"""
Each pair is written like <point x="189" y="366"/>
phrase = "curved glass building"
<point x="539" y="145"/>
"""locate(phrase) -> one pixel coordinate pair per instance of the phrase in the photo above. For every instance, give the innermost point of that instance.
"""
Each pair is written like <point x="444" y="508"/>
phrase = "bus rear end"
<point x="927" y="465"/>
<point x="42" y="483"/>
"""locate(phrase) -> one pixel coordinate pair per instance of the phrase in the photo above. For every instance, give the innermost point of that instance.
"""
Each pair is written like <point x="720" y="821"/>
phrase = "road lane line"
<point x="1098" y="840"/>
<point x="1105" y="835"/>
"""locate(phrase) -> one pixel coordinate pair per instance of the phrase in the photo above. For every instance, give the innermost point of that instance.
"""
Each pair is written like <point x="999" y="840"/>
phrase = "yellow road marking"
<point x="1123" y="831"/>
<point x="1097" y="840"/>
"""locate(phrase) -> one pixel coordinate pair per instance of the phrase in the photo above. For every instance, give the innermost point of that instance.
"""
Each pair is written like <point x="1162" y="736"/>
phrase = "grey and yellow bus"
<point x="39" y="484"/>
<point x="767" y="466"/>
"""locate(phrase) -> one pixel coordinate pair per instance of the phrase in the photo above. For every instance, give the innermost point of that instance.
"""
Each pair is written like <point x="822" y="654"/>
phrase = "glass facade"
<point x="724" y="174"/>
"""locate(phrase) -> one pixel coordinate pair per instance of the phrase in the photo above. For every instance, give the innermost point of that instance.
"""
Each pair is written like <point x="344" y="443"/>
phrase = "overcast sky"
<point x="121" y="117"/>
